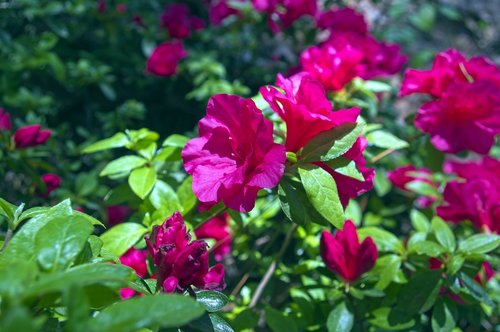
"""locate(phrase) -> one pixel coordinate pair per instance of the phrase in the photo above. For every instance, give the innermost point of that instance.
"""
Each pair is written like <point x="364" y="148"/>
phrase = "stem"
<point x="382" y="155"/>
<point x="272" y="268"/>
<point x="8" y="236"/>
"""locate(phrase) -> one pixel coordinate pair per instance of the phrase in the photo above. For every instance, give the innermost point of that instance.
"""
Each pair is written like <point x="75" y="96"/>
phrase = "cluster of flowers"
<point x="27" y="137"/>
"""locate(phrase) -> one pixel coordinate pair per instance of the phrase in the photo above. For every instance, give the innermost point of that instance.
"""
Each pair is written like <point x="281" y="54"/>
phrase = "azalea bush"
<point x="232" y="165"/>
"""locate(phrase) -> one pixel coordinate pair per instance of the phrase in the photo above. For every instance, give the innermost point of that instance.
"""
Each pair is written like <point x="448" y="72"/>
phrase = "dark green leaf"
<point x="475" y="289"/>
<point x="278" y="322"/>
<point x="212" y="300"/>
<point x="442" y="318"/>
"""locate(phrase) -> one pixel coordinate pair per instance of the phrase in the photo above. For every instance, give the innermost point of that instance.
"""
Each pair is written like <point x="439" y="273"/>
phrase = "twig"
<point x="382" y="155"/>
<point x="272" y="267"/>
<point x="8" y="236"/>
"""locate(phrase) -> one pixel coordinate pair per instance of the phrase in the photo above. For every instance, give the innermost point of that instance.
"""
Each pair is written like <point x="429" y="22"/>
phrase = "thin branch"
<point x="382" y="155"/>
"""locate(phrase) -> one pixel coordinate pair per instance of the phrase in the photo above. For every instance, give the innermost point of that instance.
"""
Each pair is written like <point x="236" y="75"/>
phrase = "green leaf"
<point x="381" y="183"/>
<point x="322" y="192"/>
<point x="340" y="319"/>
<point x="381" y="319"/>
<point x="123" y="165"/>
<point x="164" y="197"/>
<point x="18" y="318"/>
<point x="424" y="18"/>
<point x="417" y="296"/>
<point x="116" y="141"/>
<point x="455" y="263"/>
<point x="385" y="140"/>
<point x="384" y="240"/>
<point x="443" y="234"/>
<point x="351" y="171"/>
<point x="278" y="322"/>
<point x="479" y="243"/>
<point x="7" y="209"/>
<point x="389" y="266"/>
<point x="80" y="275"/>
<point x="176" y="140"/>
<point x="377" y="86"/>
<point x="442" y="317"/>
<point x="419" y="221"/>
<point x="186" y="196"/>
<point x="212" y="301"/>
<point x="90" y="219"/>
<point x="30" y="213"/>
<point x="333" y="143"/>
<point x="427" y="248"/>
<point x="476" y="290"/>
<point x="60" y="241"/>
<point x="122" y="237"/>
<point x="142" y="181"/>
<point x="422" y="188"/>
<point x="147" y="312"/>
<point x="77" y="305"/>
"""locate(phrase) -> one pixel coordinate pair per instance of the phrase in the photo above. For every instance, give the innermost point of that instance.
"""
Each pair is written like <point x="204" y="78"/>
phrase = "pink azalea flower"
<point x="135" y="259"/>
<point x="220" y="11"/>
<point x="283" y="13"/>
<point x="31" y="135"/>
<point x="401" y="176"/>
<point x="349" y="187"/>
<point x="345" y="256"/>
<point x="342" y="20"/>
<point x="235" y="155"/>
<point x="179" y="262"/>
<point x="4" y="120"/>
<point x="163" y="61"/>
<point x="474" y="197"/>
<point x="51" y="181"/>
<point x="218" y="229"/>
<point x="117" y="214"/>
<point x="178" y="22"/>
<point x="305" y="109"/>
<point x="449" y="67"/>
<point x="466" y="117"/>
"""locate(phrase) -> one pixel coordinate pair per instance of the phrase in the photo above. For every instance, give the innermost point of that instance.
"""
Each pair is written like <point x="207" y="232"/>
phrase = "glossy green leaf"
<point x="388" y="266"/>
<point x="322" y="192"/>
<point x="213" y="301"/>
<point x="59" y="242"/>
<point x="385" y="140"/>
<point x="165" y="198"/>
<point x="480" y="243"/>
<point x="116" y="141"/>
<point x="142" y="181"/>
<point x="419" y="221"/>
<point x="186" y="196"/>
<point x="340" y="319"/>
<point x="384" y="240"/>
<point x="123" y="165"/>
<point x="147" y="312"/>
<point x="331" y="144"/>
<point x="121" y="237"/>
<point x="443" y="234"/>
<point x="428" y="248"/>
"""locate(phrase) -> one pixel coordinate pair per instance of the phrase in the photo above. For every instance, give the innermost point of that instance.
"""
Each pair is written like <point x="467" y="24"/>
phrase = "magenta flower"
<point x="51" y="181"/>
<point x="235" y="155"/>
<point x="31" y="135"/>
<point x="163" y="61"/>
<point x="345" y="256"/>
<point x="474" y="197"/>
<point x="349" y="187"/>
<point x="136" y="259"/>
<point x="283" y="13"/>
<point x="4" y="120"/>
<point x="178" y="22"/>
<point x="449" y="67"/>
<point x="117" y="214"/>
<point x="466" y="117"/>
<point x="181" y="263"/>
<point x="401" y="176"/>
<point x="305" y="109"/>
<point x="218" y="229"/>
<point x="342" y="20"/>
<point x="220" y="11"/>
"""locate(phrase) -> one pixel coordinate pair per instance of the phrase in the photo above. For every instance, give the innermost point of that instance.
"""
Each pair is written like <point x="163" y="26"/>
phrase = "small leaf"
<point x="385" y="140"/>
<point x="419" y="221"/>
<point x="164" y="197"/>
<point x="442" y="318"/>
<point x="322" y="192"/>
<point x="212" y="300"/>
<point x="479" y="243"/>
<point x="186" y="196"/>
<point x="333" y="143"/>
<point x="475" y="289"/>
<point x="427" y="248"/>
<point x="389" y="266"/>
<point x="340" y="319"/>
<point x="123" y="165"/>
<point x="176" y="140"/>
<point x="142" y="181"/>
<point x="278" y="322"/>
<point x="116" y="141"/>
<point x="122" y="237"/>
<point x="384" y="240"/>
<point x="443" y="234"/>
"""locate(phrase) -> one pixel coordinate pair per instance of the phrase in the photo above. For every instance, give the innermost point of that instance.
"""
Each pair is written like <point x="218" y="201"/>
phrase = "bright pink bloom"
<point x="101" y="6"/>
<point x="342" y="20"/>
<point x="467" y="117"/>
<point x="135" y="259"/>
<point x="283" y="13"/>
<point x="31" y="135"/>
<point x="305" y="109"/>
<point x="51" y="181"/>
<point x="235" y="155"/>
<point x="449" y="67"/>
<point x="179" y="23"/>
<point x="218" y="229"/>
<point x="333" y="67"/>
<point x="349" y="187"/>
<point x="117" y="214"/>
<point x="179" y="262"/>
<point x="401" y="176"/>
<point x="121" y="8"/>
<point x="4" y="120"/>
<point x="345" y="256"/>
<point x="220" y="11"/>
<point x="474" y="197"/>
<point x="163" y="61"/>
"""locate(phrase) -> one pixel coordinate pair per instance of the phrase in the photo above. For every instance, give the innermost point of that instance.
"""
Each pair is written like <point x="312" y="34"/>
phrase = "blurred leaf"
<point x="123" y="165"/>
<point x="425" y="17"/>
<point x="443" y="234"/>
<point x="475" y="289"/>
<point x="385" y="140"/>
<point x="278" y="322"/>
<point x="442" y="317"/>
<point x="116" y="141"/>
<point x="419" y="221"/>
<point x="479" y="243"/>
<point x="340" y="319"/>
